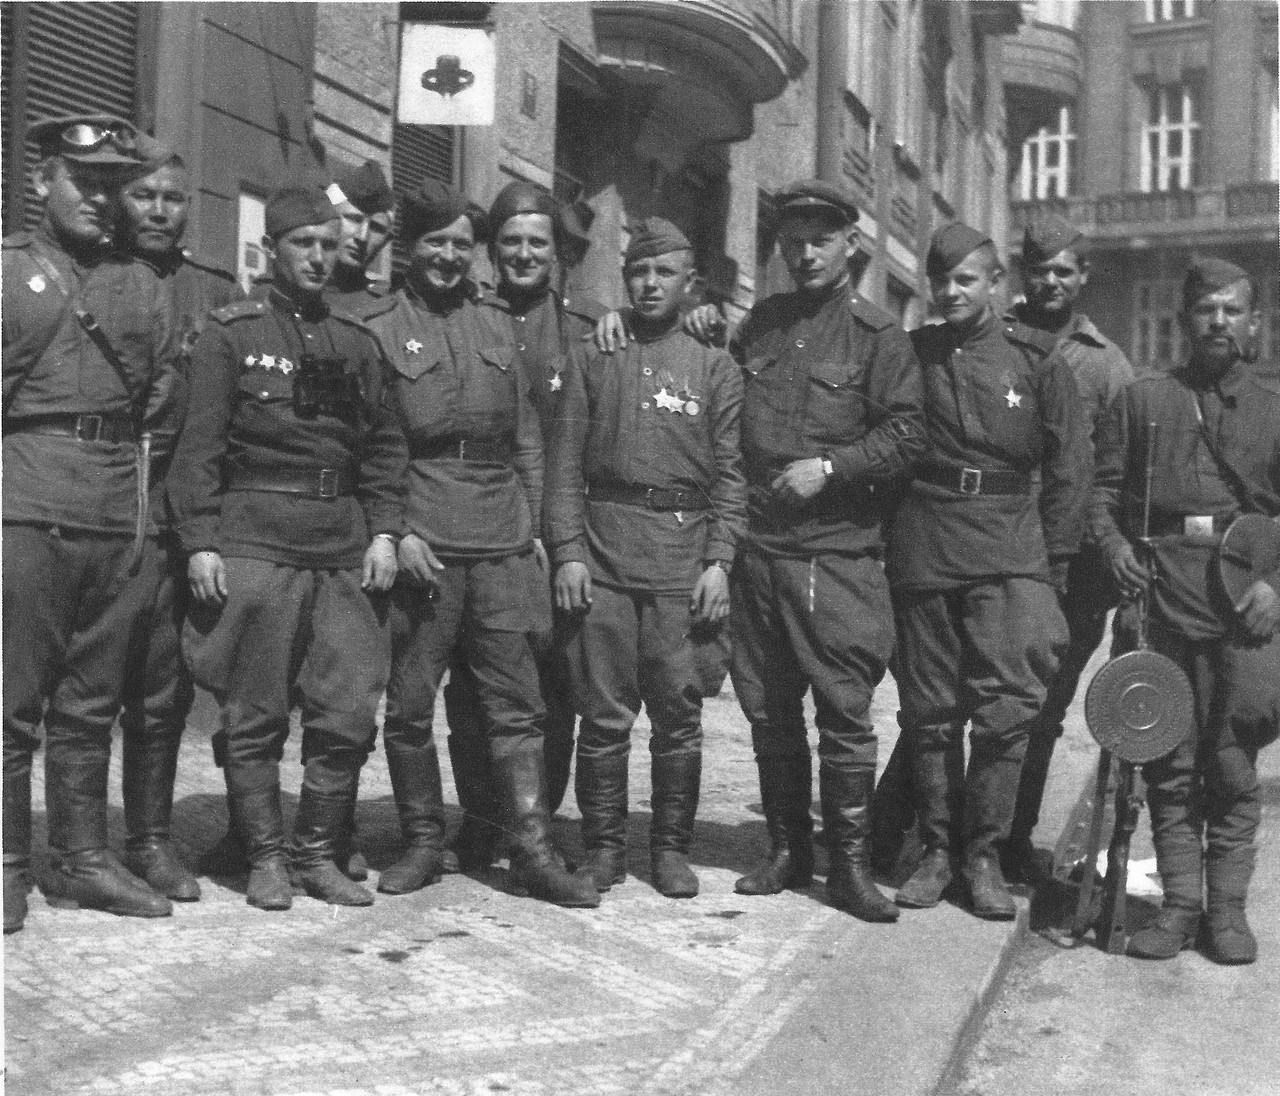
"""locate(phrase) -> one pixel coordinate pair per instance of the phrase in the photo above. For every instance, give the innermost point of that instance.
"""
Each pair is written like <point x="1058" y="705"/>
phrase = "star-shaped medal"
<point x="413" y="346"/>
<point x="556" y="383"/>
<point x="1013" y="397"/>
<point x="250" y="362"/>
<point x="268" y="362"/>
<point x="665" y="399"/>
<point x="284" y="365"/>
<point x="37" y="283"/>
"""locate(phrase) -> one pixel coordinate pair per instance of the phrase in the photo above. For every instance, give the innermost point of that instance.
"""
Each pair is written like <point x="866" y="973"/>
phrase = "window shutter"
<point x="72" y="58"/>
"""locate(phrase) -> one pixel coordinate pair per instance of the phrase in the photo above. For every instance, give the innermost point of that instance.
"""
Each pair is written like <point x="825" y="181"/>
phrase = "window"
<point x="1157" y="338"/>
<point x="1049" y="160"/>
<point x="1163" y="11"/>
<point x="1273" y="136"/>
<point x="1171" y="139"/>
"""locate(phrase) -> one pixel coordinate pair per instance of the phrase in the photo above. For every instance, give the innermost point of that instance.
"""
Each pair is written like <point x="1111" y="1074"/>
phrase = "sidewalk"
<point x="463" y="989"/>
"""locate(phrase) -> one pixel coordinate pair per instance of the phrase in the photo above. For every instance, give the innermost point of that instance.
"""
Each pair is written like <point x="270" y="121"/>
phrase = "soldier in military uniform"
<point x="287" y="493"/>
<point x="831" y="413"/>
<point x="472" y="581"/>
<point x="90" y="367"/>
<point x="980" y="545"/>
<point x="1216" y="456"/>
<point x="367" y="205"/>
<point x="1055" y="269"/>
<point x="643" y="557"/>
<point x="155" y="202"/>
<point x="528" y="230"/>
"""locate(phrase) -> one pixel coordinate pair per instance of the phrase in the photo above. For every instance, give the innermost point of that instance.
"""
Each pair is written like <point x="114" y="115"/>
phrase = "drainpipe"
<point x="832" y="73"/>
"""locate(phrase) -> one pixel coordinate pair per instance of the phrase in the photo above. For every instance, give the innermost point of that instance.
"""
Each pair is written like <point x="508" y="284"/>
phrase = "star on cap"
<point x="413" y="346"/>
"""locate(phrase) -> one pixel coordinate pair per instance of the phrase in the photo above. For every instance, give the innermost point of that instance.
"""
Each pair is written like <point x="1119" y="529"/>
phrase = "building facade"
<point x="1158" y="138"/>
<point x="697" y="110"/>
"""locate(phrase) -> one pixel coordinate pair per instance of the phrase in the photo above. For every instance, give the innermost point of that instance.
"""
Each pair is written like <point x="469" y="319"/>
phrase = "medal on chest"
<point x="37" y="284"/>
<point x="1012" y="397"/>
<point x="555" y="383"/>
<point x="268" y="363"/>
<point x="413" y="346"/>
<point x="674" y="398"/>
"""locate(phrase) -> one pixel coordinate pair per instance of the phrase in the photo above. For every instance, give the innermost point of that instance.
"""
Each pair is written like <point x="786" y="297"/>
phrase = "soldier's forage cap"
<point x="152" y="156"/>
<point x="1047" y="235"/>
<point x="293" y="207"/>
<point x="105" y="140"/>
<point x="806" y="194"/>
<point x="522" y="197"/>
<point x="654" y="236"/>
<point x="950" y="246"/>
<point x="365" y="187"/>
<point x="433" y="206"/>
<point x="1208" y="274"/>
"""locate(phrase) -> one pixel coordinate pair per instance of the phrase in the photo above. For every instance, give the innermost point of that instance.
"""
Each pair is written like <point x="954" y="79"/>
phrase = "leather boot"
<point x="558" y="744"/>
<point x="991" y="787"/>
<point x="475" y="845"/>
<point x="601" y="788"/>
<point x="415" y="780"/>
<point x="938" y="778"/>
<point x="1175" y="827"/>
<point x="253" y="801"/>
<point x="226" y="856"/>
<point x="786" y="789"/>
<point x="1174" y="929"/>
<point x="150" y="767"/>
<point x="1020" y="860"/>
<point x="346" y="853"/>
<point x="535" y="867"/>
<point x="328" y="791"/>
<point x="1229" y="939"/>
<point x="17" y="839"/>
<point x="893" y="809"/>
<point x="846" y="800"/>
<point x="677" y="781"/>
<point x="85" y="872"/>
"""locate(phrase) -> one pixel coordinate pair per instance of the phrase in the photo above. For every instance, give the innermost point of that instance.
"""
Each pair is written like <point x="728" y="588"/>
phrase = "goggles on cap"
<point x="86" y="136"/>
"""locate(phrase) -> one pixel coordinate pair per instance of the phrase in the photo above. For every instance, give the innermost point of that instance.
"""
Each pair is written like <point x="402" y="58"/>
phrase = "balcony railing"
<point x="1206" y="212"/>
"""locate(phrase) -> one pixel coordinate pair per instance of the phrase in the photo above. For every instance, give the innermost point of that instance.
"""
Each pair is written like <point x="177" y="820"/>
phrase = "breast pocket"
<point x="265" y="388"/>
<point x="413" y="366"/>
<point x="835" y="401"/>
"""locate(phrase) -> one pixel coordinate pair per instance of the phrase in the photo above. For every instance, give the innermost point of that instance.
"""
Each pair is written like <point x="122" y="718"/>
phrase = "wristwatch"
<point x="828" y="469"/>
<point x="387" y="536"/>
<point x="722" y="564"/>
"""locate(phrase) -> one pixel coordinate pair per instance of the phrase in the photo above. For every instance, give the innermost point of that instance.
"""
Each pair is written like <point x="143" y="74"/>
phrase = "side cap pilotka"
<point x="1048" y="235"/>
<point x="654" y="236"/>
<point x="950" y="246"/>
<point x="1208" y="274"/>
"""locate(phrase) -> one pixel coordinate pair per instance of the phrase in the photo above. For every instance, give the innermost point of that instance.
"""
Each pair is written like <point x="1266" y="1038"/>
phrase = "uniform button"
<point x="519" y="346"/>
<point x="645" y="405"/>
<point x="647" y="371"/>
<point x="264" y="395"/>
<point x="520" y="319"/>
<point x="799" y="344"/>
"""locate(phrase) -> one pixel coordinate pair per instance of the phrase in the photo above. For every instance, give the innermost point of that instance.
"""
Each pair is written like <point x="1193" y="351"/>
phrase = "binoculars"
<point x="322" y="386"/>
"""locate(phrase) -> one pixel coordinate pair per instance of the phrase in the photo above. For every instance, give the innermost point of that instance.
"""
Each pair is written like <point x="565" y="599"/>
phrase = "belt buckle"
<point x="1198" y="526"/>
<point x="328" y="483"/>
<point x="971" y="481"/>
<point x="87" y="432"/>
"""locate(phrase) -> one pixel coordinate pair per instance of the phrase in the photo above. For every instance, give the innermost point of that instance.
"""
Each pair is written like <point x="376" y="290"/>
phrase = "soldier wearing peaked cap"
<point x="366" y="204"/>
<point x="528" y="231"/>
<point x="831" y="418"/>
<point x="980" y="544"/>
<point x="1216" y="457"/>
<point x="646" y="503"/>
<point x="473" y="579"/>
<point x="287" y="493"/>
<point x="90" y="370"/>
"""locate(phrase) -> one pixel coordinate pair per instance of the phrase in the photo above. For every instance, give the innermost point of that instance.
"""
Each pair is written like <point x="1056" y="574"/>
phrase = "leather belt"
<point x="106" y="428"/>
<point x="314" y="483"/>
<point x="650" y="498"/>
<point x="976" y="481"/>
<point x="1190" y="525"/>
<point x="474" y="450"/>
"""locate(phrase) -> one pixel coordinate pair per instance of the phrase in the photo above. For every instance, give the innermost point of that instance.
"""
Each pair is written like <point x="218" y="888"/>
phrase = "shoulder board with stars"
<point x="239" y="311"/>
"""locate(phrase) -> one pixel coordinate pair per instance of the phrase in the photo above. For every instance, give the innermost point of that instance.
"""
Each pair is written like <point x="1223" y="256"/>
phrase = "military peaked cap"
<point x="105" y="140"/>
<point x="806" y="194"/>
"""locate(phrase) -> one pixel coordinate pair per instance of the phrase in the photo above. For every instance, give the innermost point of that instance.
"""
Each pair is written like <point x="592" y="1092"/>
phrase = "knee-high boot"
<point x="938" y="778"/>
<point x="475" y="844"/>
<point x="991" y="787"/>
<point x="414" y="768"/>
<point x="786" y="791"/>
<point x="253" y="802"/>
<point x="601" y="788"/>
<point x="846" y="800"/>
<point x="517" y="769"/>
<point x="1176" y="826"/>
<point x="150" y="769"/>
<point x="893" y="808"/>
<point x="85" y="870"/>
<point x="677" y="781"/>
<point x="328" y="793"/>
<point x="1019" y="859"/>
<point x="17" y="840"/>
<point x="1229" y="937"/>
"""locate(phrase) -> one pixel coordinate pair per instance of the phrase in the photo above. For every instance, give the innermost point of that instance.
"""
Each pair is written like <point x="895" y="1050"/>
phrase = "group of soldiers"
<point x="328" y="492"/>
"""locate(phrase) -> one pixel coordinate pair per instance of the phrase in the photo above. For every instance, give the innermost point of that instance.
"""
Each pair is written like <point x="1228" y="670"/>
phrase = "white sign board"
<point x="447" y="76"/>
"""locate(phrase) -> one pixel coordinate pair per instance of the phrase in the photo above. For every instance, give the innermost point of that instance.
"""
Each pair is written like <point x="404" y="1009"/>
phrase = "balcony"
<point x="1042" y="72"/>
<point x="1202" y="217"/>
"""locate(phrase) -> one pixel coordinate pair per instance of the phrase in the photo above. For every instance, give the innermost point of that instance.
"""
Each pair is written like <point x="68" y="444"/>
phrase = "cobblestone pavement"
<point x="464" y="989"/>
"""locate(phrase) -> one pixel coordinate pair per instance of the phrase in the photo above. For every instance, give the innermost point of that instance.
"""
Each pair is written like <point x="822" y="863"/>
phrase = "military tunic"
<point x="822" y="375"/>
<point x="1209" y="783"/>
<point x="71" y="422"/>
<point x="1003" y="491"/>
<point x="290" y="499"/>
<point x="651" y="433"/>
